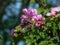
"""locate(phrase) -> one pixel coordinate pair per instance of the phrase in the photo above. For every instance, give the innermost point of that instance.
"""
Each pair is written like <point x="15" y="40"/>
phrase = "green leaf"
<point x="52" y="44"/>
<point x="48" y="24"/>
<point x="45" y="11"/>
<point x="59" y="25"/>
<point x="17" y="28"/>
<point x="44" y="42"/>
<point x="54" y="29"/>
<point x="42" y="35"/>
<point x="16" y="35"/>
<point x="40" y="10"/>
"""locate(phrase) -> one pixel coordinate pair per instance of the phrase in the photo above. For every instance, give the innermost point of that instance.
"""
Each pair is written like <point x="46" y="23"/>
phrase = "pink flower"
<point x="32" y="12"/>
<point x="38" y="23"/>
<point x="29" y="12"/>
<point x="48" y="14"/>
<point x="54" y="10"/>
<point x="53" y="13"/>
<point x="34" y="18"/>
<point x="39" y="17"/>
<point x="23" y="17"/>
<point x="57" y="9"/>
<point x="25" y="11"/>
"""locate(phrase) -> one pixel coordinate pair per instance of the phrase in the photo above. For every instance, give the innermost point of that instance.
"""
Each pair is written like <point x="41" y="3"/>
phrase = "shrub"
<point x="39" y="29"/>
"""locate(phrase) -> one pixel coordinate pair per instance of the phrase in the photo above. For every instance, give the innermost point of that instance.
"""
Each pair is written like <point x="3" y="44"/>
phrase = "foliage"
<point x="42" y="28"/>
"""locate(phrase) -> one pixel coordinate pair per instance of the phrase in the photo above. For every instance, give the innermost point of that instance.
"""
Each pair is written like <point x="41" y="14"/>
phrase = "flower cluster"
<point x="31" y="14"/>
<point x="53" y="11"/>
<point x="37" y="28"/>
